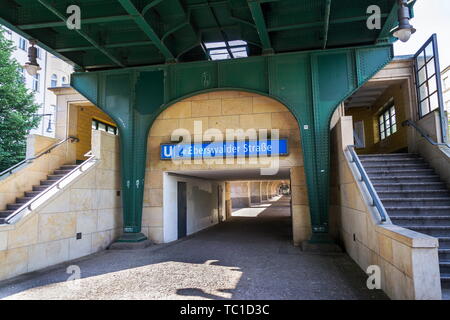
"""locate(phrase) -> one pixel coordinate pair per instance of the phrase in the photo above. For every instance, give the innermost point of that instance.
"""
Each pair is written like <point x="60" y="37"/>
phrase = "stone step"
<point x="419" y="210"/>
<point x="407" y="194"/>
<point x="444" y="266"/>
<point x="54" y="177"/>
<point x="398" y="166"/>
<point x="68" y="167"/>
<point x="445" y="281"/>
<point x="6" y="213"/>
<point x="40" y="188"/>
<point x="32" y="194"/>
<point x="408" y="221"/>
<point x="410" y="186"/>
<point x="393" y="161"/>
<point x="61" y="172"/>
<point x="14" y="206"/>
<point x="47" y="182"/>
<point x="434" y="231"/>
<point x="379" y="172"/>
<point x="389" y="156"/>
<point x="409" y="179"/>
<point x="417" y="202"/>
<point x="23" y="199"/>
<point x="444" y="242"/>
<point x="444" y="254"/>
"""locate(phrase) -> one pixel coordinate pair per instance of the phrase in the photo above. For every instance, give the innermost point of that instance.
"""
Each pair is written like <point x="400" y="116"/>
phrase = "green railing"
<point x="376" y="202"/>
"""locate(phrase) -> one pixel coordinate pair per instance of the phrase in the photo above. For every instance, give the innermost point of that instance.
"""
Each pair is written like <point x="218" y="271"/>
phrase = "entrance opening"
<point x="241" y="197"/>
<point x="83" y="119"/>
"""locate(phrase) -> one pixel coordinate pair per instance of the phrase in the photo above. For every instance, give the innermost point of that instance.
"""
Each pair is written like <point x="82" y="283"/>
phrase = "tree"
<point x="17" y="108"/>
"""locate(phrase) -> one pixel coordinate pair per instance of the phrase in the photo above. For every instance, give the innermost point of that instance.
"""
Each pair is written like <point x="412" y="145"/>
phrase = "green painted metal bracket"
<point x="326" y="23"/>
<point x="310" y="84"/>
<point x="260" y="23"/>
<point x="147" y="29"/>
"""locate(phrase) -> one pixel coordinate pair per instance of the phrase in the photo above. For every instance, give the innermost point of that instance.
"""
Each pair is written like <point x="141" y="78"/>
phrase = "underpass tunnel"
<point x="199" y="199"/>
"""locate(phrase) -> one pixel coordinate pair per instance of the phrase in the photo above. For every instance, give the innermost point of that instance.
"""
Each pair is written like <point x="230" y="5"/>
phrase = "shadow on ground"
<point x="243" y="258"/>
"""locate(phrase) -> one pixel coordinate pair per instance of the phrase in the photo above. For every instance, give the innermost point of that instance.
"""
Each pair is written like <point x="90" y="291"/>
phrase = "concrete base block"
<point x="130" y="245"/>
<point x="320" y="247"/>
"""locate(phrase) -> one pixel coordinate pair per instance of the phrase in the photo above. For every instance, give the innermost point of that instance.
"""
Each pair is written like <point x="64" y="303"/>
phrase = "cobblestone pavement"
<point x="248" y="257"/>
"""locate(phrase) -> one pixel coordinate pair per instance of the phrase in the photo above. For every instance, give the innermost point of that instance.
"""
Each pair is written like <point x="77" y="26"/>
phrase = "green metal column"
<point x="131" y="99"/>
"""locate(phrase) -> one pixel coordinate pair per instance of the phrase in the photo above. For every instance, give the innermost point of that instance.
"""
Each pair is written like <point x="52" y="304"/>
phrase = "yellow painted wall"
<point x="369" y="115"/>
<point x="84" y="127"/>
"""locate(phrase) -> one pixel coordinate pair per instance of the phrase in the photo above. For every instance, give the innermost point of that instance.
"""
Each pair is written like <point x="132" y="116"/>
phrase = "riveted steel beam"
<point x="87" y="37"/>
<point x="384" y="34"/>
<point x="260" y="23"/>
<point x="55" y="24"/>
<point x="147" y="28"/>
<point x="109" y="45"/>
<point x="326" y="26"/>
<point x="319" y="23"/>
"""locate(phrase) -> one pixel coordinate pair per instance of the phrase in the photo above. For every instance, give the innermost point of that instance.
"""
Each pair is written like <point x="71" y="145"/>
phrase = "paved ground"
<point x="245" y="258"/>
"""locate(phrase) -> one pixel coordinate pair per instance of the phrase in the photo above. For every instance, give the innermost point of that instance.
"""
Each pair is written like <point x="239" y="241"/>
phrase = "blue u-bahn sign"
<point x="261" y="148"/>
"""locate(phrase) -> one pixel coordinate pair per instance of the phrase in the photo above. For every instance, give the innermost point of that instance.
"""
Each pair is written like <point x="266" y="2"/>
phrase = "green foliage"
<point x="17" y="108"/>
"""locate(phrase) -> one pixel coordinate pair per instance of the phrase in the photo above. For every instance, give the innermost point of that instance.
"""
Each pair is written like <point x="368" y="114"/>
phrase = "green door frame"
<point x="310" y="84"/>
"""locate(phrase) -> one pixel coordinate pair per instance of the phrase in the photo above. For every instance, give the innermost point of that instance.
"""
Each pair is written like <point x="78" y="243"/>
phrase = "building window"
<point x="427" y="78"/>
<point x="64" y="81"/>
<point x="23" y="44"/>
<point x="36" y="82"/>
<point x="103" y="126"/>
<point x="387" y="123"/>
<point x="22" y="75"/>
<point x="446" y="83"/>
<point x="39" y="53"/>
<point x="54" y="81"/>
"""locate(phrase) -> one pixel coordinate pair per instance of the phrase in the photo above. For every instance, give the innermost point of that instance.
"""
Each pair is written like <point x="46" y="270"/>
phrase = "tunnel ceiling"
<point x="127" y="33"/>
<point x="234" y="174"/>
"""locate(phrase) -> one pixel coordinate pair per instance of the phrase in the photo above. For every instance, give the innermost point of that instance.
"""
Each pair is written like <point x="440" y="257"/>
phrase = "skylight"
<point x="227" y="50"/>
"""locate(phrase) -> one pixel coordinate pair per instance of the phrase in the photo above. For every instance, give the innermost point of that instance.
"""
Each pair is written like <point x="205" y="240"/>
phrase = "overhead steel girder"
<point x="87" y="37"/>
<point x="310" y="84"/>
<point x="260" y="24"/>
<point x="326" y="26"/>
<point x="146" y="28"/>
<point x="54" y="24"/>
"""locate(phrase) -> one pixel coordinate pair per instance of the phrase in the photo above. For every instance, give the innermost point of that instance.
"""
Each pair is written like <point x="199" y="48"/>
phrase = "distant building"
<point x="54" y="73"/>
<point x="445" y="75"/>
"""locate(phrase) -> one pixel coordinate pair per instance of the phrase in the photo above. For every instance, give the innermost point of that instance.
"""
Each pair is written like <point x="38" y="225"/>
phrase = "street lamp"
<point x="32" y="66"/>
<point x="405" y="29"/>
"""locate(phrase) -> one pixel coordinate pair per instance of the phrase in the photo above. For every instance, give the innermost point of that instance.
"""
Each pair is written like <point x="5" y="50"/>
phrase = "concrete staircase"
<point x="29" y="195"/>
<point x="414" y="197"/>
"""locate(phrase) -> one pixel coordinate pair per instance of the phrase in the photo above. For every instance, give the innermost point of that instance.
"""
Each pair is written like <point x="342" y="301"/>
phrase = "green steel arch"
<point x="311" y="84"/>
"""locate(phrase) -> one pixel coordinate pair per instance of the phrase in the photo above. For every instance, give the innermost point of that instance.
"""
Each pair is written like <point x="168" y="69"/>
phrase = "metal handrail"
<point x="29" y="160"/>
<point x="376" y="202"/>
<point x="424" y="134"/>
<point x="56" y="184"/>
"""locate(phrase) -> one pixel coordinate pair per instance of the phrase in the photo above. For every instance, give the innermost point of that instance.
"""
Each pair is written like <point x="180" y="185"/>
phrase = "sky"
<point x="430" y="16"/>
